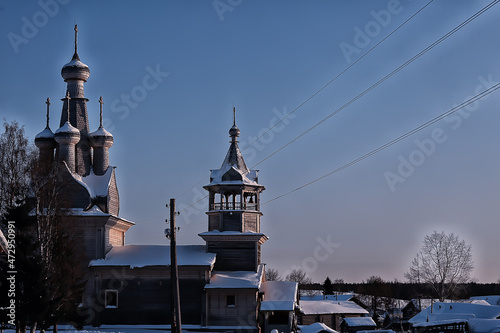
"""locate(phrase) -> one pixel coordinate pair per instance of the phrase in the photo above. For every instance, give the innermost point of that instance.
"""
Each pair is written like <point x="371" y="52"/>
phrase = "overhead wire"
<point x="382" y="147"/>
<point x="321" y="89"/>
<point x="376" y="84"/>
<point x="437" y="42"/>
<point x="338" y="75"/>
<point x="394" y="141"/>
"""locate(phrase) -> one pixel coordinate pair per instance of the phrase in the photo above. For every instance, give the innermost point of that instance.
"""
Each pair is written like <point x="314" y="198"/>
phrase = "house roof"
<point x="233" y="170"/>
<point x="484" y="325"/>
<point x="359" y="321"/>
<point x="448" y="311"/>
<point x="316" y="328"/>
<point x="137" y="256"/>
<point x="491" y="299"/>
<point x="279" y="295"/>
<point x="236" y="279"/>
<point x="338" y="297"/>
<point x="329" y="307"/>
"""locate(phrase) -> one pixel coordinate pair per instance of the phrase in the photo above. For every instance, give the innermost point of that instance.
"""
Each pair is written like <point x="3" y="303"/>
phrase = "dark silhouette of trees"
<point x="48" y="282"/>
<point x="328" y="286"/>
<point x="272" y="275"/>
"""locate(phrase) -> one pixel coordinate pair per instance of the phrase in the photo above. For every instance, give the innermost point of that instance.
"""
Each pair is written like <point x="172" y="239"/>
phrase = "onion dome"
<point x="75" y="69"/>
<point x="101" y="137"/>
<point x="67" y="134"/>
<point x="45" y="139"/>
<point x="234" y="131"/>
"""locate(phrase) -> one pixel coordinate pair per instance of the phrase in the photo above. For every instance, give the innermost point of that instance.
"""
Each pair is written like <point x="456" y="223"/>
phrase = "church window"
<point x="230" y="301"/>
<point x="111" y="298"/>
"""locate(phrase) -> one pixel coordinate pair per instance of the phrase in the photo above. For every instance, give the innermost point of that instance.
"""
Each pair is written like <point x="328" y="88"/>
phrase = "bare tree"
<point x="16" y="155"/>
<point x="299" y="276"/>
<point x="443" y="263"/>
<point x="272" y="275"/>
<point x="49" y="284"/>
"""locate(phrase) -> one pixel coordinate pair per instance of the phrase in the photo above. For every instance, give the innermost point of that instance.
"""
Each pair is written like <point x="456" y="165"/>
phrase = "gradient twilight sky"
<point x="266" y="58"/>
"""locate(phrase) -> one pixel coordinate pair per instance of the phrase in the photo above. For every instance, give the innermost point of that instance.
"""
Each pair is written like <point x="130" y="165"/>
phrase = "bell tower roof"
<point x="234" y="170"/>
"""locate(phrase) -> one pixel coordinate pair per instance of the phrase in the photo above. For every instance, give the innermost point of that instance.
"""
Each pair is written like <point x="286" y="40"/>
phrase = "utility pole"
<point x="175" y="301"/>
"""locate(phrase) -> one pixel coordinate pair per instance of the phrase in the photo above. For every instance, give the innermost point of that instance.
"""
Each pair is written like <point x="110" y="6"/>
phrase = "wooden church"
<point x="222" y="283"/>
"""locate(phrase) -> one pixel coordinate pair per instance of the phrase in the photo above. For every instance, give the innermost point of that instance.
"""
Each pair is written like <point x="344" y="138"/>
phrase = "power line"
<point x="338" y="75"/>
<point x="394" y="141"/>
<point x="418" y="55"/>
<point x="377" y="150"/>
<point x="321" y="89"/>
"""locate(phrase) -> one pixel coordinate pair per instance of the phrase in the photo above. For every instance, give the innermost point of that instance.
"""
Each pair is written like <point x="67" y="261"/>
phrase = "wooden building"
<point x="222" y="284"/>
<point x="330" y="312"/>
<point x="353" y="325"/>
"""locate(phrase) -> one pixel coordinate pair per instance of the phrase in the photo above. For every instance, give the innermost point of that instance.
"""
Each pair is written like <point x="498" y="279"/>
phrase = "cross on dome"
<point x="67" y="98"/>
<point x="48" y="103"/>
<point x="75" y="56"/>
<point x="101" y="102"/>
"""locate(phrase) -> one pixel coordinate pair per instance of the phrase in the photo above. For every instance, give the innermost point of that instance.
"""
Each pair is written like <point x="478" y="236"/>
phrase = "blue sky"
<point x="266" y="58"/>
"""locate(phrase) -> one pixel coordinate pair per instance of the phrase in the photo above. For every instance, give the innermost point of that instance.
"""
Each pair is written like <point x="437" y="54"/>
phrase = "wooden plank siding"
<point x="234" y="255"/>
<point x="244" y="313"/>
<point x="144" y="295"/>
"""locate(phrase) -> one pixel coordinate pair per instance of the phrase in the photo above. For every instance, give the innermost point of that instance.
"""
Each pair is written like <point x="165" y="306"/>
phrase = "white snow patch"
<point x="328" y="307"/>
<point x="315" y="328"/>
<point x="67" y="128"/>
<point x="45" y="134"/>
<point x="236" y="279"/>
<point x="137" y="256"/>
<point x="279" y="295"/>
<point x="445" y="311"/>
<point x="360" y="321"/>
<point x="75" y="63"/>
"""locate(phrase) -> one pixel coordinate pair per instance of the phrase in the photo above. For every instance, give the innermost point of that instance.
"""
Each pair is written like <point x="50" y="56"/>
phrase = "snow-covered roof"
<point x="236" y="280"/>
<point x="279" y="295"/>
<point x="233" y="170"/>
<point x="484" y="325"/>
<point x="67" y="128"/>
<point x="360" y="321"/>
<point x="490" y="299"/>
<point x="45" y="134"/>
<point x="316" y="328"/>
<point x="137" y="256"/>
<point x="75" y="63"/>
<point x="94" y="211"/>
<point x="101" y="132"/>
<point x="338" y="297"/>
<point x="96" y="186"/>
<point x="327" y="307"/>
<point x="230" y="233"/>
<point x="447" y="311"/>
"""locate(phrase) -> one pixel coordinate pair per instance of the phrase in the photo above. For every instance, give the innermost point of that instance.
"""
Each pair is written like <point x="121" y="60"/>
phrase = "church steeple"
<point x="234" y="211"/>
<point x="75" y="73"/>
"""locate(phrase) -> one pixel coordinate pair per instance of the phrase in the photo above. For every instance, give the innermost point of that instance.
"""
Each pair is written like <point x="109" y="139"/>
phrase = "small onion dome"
<point x="75" y="70"/>
<point x="101" y="138"/>
<point x="234" y="131"/>
<point x="45" y="138"/>
<point x="67" y="134"/>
